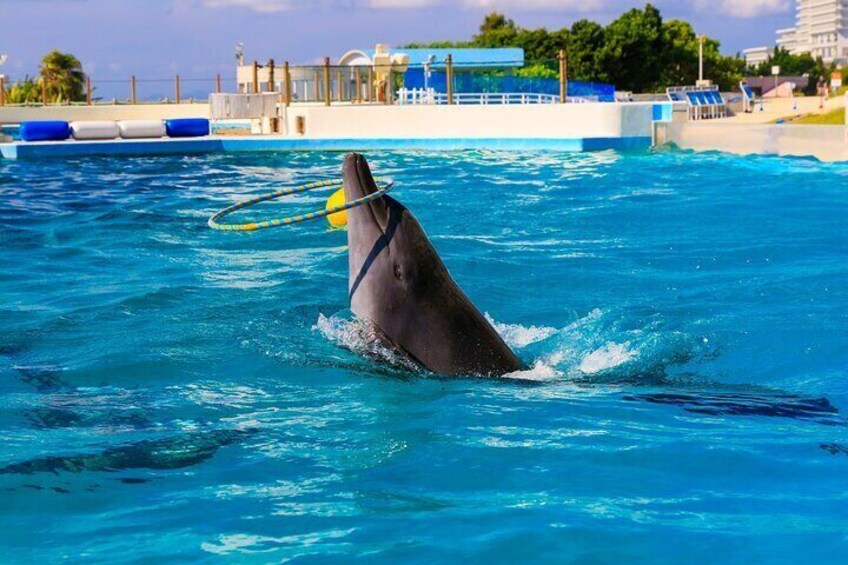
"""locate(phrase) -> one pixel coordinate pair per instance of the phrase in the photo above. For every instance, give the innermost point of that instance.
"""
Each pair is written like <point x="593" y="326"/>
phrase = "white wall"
<point x="467" y="121"/>
<point x="827" y="143"/>
<point x="17" y="114"/>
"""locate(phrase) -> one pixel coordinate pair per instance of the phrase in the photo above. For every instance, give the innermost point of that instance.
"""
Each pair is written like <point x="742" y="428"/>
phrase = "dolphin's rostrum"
<point x="398" y="283"/>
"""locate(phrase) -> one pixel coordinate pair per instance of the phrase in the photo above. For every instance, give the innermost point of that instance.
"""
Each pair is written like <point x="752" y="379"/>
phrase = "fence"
<point x="132" y="90"/>
<point x="407" y="96"/>
<point x="321" y="83"/>
<point x="439" y="83"/>
<point x="365" y="84"/>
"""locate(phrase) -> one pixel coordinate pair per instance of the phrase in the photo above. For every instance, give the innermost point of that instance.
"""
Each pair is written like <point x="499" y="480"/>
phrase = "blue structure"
<point x="469" y="65"/>
<point x="748" y="97"/>
<point x="45" y="130"/>
<point x="187" y="127"/>
<point x="463" y="58"/>
<point x="704" y="102"/>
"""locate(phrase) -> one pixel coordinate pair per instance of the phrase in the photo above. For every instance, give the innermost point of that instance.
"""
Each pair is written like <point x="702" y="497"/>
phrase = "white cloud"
<point x="262" y="6"/>
<point x="745" y="8"/>
<point x="581" y="5"/>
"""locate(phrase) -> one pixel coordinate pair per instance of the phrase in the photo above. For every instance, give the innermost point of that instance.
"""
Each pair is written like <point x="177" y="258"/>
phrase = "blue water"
<point x="13" y="133"/>
<point x="173" y="394"/>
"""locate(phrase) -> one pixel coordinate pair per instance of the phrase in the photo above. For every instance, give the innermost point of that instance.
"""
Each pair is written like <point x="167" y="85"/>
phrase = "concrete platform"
<point x="825" y="143"/>
<point x="226" y="144"/>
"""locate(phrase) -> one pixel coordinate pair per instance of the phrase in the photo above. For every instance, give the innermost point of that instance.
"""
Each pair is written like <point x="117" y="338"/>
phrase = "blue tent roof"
<point x="463" y="57"/>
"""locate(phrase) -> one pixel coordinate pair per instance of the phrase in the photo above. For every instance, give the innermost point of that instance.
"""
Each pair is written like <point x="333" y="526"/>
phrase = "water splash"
<point x="364" y="339"/>
<point x="602" y="347"/>
<point x="518" y="336"/>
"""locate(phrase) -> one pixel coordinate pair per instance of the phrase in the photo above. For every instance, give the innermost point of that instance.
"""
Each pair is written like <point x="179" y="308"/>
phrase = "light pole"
<point x="427" y="66"/>
<point x="701" y="39"/>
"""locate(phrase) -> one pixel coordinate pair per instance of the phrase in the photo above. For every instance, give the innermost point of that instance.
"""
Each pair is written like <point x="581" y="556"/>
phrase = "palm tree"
<point x="63" y="75"/>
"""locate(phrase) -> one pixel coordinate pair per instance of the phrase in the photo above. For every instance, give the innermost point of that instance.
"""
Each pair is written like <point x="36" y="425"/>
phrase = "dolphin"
<point x="158" y="454"/>
<point x="399" y="284"/>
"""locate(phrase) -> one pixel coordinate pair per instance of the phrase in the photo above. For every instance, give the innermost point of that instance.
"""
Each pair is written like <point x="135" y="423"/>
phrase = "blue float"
<point x="187" y="127"/>
<point x="48" y="130"/>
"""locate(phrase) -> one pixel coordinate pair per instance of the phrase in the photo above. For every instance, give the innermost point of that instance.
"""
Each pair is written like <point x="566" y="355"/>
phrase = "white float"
<point x="141" y="129"/>
<point x="94" y="130"/>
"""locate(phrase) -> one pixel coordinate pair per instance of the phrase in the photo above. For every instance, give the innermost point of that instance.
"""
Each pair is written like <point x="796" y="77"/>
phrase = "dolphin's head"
<point x="393" y="266"/>
<point x="397" y="282"/>
<point x="371" y="219"/>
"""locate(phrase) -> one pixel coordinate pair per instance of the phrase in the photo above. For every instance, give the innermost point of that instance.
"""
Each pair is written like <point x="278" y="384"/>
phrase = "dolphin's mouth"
<point x="365" y="185"/>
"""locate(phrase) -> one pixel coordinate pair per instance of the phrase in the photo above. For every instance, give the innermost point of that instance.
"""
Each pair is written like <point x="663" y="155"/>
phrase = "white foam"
<point x="362" y="338"/>
<point x="518" y="336"/>
<point x="540" y="371"/>
<point x="607" y="357"/>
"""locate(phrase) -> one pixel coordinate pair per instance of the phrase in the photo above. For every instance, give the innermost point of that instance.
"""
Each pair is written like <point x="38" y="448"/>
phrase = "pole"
<point x="358" y="78"/>
<point x="87" y="90"/>
<point x="217" y="84"/>
<point x="341" y="85"/>
<point x="701" y="39"/>
<point x="562" y="89"/>
<point x="387" y="98"/>
<point x="177" y="87"/>
<point x="449" y="76"/>
<point x="132" y="90"/>
<point x="370" y="84"/>
<point x="271" y="86"/>
<point x="287" y="77"/>
<point x="255" y="77"/>
<point x="327" y="93"/>
<point x="2" y="91"/>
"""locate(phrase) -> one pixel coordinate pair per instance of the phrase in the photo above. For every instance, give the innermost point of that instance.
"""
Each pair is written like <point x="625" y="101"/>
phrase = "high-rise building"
<point x="821" y="29"/>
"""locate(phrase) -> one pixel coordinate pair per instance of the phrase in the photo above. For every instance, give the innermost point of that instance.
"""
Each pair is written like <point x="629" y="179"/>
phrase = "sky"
<point x="156" y="39"/>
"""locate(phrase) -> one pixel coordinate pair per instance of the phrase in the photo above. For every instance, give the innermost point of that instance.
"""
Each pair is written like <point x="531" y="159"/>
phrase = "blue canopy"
<point x="463" y="57"/>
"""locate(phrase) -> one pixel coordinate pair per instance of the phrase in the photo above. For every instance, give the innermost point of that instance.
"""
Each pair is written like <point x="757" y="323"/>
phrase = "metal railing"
<point x="130" y="91"/>
<point x="443" y="82"/>
<point x="417" y="96"/>
<point x="384" y="84"/>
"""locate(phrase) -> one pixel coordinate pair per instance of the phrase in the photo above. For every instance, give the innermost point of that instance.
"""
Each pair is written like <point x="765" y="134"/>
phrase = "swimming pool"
<point x="173" y="393"/>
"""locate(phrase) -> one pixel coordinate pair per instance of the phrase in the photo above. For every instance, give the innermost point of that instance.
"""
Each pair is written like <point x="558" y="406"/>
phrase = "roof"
<point x="768" y="83"/>
<point x="462" y="57"/>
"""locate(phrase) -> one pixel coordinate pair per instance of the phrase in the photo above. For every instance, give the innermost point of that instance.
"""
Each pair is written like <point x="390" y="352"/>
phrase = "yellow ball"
<point x="339" y="219"/>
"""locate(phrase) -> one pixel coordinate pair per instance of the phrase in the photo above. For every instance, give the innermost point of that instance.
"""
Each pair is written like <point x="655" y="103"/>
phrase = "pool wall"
<point x="18" y="114"/>
<point x="570" y="127"/>
<point x="826" y="143"/>
<point x="463" y="121"/>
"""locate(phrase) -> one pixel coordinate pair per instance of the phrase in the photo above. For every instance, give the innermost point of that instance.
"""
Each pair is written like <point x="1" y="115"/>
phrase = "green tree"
<point x="633" y="50"/>
<point x="724" y="71"/>
<point x="637" y="51"/>
<point x="497" y="31"/>
<point x="680" y="59"/>
<point x="796" y="65"/>
<point x="537" y="70"/>
<point x="64" y="76"/>
<point x="23" y="92"/>
<point x="585" y="42"/>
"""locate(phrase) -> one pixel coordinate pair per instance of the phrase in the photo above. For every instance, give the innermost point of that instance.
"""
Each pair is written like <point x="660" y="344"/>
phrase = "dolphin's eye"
<point x="398" y="272"/>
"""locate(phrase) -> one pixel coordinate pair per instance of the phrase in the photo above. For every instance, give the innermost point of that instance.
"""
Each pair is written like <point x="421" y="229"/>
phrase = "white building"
<point x="756" y="55"/>
<point x="821" y="29"/>
<point x="787" y="38"/>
